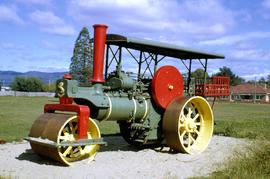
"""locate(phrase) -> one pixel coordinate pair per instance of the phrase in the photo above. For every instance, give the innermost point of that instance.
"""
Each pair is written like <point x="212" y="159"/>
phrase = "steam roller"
<point x="155" y="110"/>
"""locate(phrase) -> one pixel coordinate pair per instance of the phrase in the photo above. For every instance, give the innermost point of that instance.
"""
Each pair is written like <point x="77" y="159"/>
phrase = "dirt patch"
<point x="2" y="141"/>
<point x="119" y="160"/>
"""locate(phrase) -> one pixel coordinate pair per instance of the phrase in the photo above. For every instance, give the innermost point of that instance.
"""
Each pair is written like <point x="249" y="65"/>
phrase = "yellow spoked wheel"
<point x="69" y="134"/>
<point x="63" y="128"/>
<point x="188" y="124"/>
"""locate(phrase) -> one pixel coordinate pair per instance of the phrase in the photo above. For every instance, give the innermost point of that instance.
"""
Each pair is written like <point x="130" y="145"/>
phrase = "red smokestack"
<point x="99" y="47"/>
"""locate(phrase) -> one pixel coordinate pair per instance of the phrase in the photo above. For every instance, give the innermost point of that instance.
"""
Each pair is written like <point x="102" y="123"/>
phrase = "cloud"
<point x="7" y="46"/>
<point x="46" y="18"/>
<point x="264" y="12"/>
<point x="266" y="3"/>
<point x="35" y="2"/>
<point x="10" y="46"/>
<point x="48" y="69"/>
<point x="60" y="46"/>
<point x="51" y="23"/>
<point x="256" y="75"/>
<point x="233" y="39"/>
<point x="8" y="14"/>
<point x="250" y="54"/>
<point x="172" y="19"/>
<point x="248" y="61"/>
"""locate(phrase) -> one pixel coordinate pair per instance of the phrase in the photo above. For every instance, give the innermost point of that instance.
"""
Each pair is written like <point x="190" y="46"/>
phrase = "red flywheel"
<point x="167" y="84"/>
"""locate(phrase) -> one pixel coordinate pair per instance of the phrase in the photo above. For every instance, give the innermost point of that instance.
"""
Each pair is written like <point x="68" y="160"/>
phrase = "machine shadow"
<point x="117" y="143"/>
<point x="30" y="156"/>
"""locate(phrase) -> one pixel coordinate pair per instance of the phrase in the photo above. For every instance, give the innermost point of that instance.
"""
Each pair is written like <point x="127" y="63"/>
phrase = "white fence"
<point x="19" y="93"/>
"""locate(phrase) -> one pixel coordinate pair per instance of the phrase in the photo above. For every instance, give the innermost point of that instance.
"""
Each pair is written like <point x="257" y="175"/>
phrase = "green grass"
<point x="242" y="120"/>
<point x="18" y="113"/>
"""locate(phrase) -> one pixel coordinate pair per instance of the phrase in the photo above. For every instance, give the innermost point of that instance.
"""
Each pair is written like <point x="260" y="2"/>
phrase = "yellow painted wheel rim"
<point x="188" y="124"/>
<point x="68" y="133"/>
<point x="195" y="125"/>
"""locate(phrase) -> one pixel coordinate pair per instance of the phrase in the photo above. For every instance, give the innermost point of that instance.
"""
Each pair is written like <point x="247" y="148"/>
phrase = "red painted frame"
<point x="218" y="86"/>
<point x="83" y="113"/>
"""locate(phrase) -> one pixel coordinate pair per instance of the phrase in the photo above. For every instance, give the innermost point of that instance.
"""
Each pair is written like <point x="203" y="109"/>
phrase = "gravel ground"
<point x="119" y="160"/>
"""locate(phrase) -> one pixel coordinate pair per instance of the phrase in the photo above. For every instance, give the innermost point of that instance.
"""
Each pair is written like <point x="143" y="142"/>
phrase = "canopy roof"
<point x="165" y="49"/>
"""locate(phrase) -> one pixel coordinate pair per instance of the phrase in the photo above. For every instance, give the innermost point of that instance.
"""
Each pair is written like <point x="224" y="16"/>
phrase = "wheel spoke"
<point x="197" y="123"/>
<point x="189" y="112"/>
<point x="181" y="124"/>
<point x="74" y="130"/>
<point x="67" y="151"/>
<point x="193" y="108"/>
<point x="65" y="130"/>
<point x="182" y="117"/>
<point x="189" y="140"/>
<point x="71" y="127"/>
<point x="191" y="137"/>
<point x="184" y="132"/>
<point x="196" y="117"/>
<point x="72" y="154"/>
<point x="62" y="137"/>
<point x="80" y="150"/>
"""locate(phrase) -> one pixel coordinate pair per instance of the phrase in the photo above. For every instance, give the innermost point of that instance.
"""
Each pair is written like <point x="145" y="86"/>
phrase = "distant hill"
<point x="7" y="77"/>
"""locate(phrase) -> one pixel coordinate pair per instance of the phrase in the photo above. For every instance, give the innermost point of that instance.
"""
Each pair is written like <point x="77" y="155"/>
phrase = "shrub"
<point x="49" y="87"/>
<point x="27" y="84"/>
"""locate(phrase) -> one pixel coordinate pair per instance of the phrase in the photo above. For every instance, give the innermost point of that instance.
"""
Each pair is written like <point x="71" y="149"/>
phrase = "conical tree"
<point x="81" y="67"/>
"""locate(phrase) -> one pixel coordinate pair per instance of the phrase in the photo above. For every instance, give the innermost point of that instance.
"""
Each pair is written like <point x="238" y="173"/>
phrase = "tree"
<point x="268" y="81"/>
<point x="199" y="74"/>
<point x="49" y="87"/>
<point x="234" y="79"/>
<point x="268" y="78"/>
<point x="27" y="84"/>
<point x="81" y="67"/>
<point x="262" y="81"/>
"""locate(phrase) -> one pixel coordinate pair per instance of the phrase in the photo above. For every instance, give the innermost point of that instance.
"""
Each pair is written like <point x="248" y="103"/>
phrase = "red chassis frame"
<point x="83" y="113"/>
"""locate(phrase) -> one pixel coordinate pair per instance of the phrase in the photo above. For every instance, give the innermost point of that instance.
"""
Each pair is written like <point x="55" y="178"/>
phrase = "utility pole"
<point x="254" y="99"/>
<point x="49" y="85"/>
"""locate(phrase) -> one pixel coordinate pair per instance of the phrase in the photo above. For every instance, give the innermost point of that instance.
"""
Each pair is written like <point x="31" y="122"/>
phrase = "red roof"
<point x="248" y="89"/>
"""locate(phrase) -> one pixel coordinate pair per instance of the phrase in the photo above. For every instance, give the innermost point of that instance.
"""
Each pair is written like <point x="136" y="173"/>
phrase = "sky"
<point x="39" y="35"/>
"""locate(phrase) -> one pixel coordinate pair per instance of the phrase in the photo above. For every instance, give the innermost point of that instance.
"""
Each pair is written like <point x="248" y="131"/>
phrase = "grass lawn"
<point x="243" y="120"/>
<point x="17" y="115"/>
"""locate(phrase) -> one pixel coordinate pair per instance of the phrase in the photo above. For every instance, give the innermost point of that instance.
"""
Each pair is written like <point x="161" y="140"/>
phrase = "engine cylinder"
<point x="123" y="108"/>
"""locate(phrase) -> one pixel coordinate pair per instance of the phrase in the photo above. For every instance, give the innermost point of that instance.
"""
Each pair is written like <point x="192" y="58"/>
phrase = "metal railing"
<point x="213" y="87"/>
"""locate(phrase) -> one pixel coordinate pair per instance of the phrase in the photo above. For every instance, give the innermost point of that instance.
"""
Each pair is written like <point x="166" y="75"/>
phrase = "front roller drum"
<point x="188" y="124"/>
<point x="63" y="128"/>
